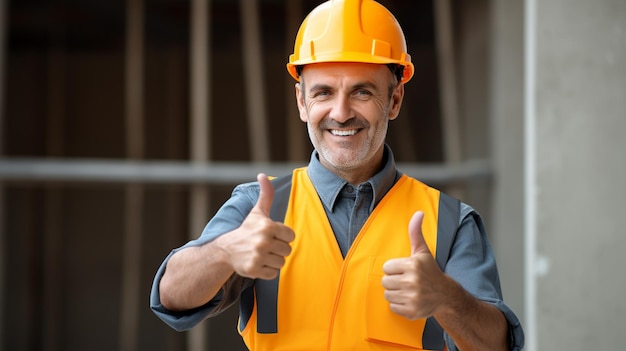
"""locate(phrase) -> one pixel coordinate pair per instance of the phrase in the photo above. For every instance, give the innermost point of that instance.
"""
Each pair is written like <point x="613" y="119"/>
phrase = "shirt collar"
<point x="328" y="185"/>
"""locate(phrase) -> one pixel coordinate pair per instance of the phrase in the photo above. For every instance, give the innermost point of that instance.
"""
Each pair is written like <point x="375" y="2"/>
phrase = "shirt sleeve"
<point x="227" y="218"/>
<point x="472" y="264"/>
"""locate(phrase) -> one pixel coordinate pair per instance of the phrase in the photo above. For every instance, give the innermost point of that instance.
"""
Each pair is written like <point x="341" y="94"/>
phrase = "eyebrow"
<point x="357" y="86"/>
<point x="318" y="87"/>
<point x="367" y="85"/>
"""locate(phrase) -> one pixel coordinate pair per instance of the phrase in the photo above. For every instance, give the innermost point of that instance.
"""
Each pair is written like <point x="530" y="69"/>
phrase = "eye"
<point x="362" y="93"/>
<point x="320" y="94"/>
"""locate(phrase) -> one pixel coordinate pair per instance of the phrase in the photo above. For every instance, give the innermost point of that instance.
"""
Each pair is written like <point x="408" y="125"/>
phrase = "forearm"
<point x="472" y="324"/>
<point x="193" y="276"/>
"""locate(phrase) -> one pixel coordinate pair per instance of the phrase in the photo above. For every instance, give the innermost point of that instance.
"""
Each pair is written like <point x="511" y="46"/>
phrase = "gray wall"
<point x="507" y="125"/>
<point x="581" y="168"/>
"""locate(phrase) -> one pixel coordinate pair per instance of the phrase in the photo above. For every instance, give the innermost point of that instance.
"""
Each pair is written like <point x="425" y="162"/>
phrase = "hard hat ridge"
<point x="350" y="31"/>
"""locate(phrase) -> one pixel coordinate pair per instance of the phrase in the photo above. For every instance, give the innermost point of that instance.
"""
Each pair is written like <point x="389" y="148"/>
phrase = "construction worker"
<point x="347" y="253"/>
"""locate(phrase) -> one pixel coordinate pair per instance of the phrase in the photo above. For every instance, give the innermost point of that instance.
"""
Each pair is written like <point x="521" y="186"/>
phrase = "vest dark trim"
<point x="447" y="226"/>
<point x="267" y="318"/>
<point x="267" y="290"/>
<point x="282" y="192"/>
<point x="267" y="305"/>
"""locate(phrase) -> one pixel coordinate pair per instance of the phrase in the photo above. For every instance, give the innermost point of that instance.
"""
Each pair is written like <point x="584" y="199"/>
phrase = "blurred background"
<point x="124" y="124"/>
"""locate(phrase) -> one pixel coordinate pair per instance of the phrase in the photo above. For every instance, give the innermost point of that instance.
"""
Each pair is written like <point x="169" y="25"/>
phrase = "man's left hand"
<point x="414" y="285"/>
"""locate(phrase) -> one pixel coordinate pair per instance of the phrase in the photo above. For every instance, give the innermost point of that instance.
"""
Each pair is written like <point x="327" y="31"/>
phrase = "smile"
<point x="348" y="132"/>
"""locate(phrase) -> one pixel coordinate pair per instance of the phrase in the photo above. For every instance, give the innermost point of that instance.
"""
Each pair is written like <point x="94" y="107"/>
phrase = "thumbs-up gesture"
<point x="413" y="285"/>
<point x="257" y="249"/>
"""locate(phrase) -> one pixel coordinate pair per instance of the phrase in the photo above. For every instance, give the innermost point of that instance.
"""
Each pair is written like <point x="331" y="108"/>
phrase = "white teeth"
<point x="343" y="132"/>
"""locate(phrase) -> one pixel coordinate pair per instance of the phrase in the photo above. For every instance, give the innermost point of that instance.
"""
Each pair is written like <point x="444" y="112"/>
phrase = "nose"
<point x="341" y="110"/>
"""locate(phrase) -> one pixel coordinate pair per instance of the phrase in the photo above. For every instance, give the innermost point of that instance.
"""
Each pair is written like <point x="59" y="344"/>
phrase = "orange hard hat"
<point x="350" y="31"/>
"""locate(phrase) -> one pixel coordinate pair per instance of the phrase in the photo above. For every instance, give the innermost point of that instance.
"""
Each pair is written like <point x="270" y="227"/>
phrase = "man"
<point x="347" y="253"/>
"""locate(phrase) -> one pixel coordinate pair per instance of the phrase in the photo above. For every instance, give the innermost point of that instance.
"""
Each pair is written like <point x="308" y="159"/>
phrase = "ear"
<point x="396" y="101"/>
<point x="300" y="102"/>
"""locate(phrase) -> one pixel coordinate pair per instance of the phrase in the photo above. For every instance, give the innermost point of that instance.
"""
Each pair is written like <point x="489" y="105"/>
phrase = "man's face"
<point x="347" y="107"/>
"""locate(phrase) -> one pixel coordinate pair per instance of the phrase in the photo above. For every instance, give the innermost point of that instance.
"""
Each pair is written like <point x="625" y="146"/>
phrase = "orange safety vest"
<point x="321" y="301"/>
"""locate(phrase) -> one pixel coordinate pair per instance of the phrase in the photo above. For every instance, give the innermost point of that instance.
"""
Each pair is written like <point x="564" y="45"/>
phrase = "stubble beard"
<point x="345" y="158"/>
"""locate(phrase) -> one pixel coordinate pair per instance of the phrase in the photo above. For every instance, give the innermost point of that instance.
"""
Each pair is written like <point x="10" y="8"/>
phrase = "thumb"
<point x="266" y="196"/>
<point x="418" y="244"/>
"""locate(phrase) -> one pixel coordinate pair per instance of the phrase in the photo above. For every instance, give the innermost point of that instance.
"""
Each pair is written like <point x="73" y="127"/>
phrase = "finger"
<point x="394" y="297"/>
<point x="267" y="273"/>
<point x="266" y="195"/>
<point x="281" y="248"/>
<point x="418" y="244"/>
<point x="390" y="283"/>
<point x="394" y="266"/>
<point x="274" y="261"/>
<point x="284" y="233"/>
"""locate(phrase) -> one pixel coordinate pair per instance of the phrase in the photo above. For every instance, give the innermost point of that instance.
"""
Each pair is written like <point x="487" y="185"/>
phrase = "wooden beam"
<point x="200" y="133"/>
<point x="199" y="78"/>
<point x="296" y="132"/>
<point x="448" y="88"/>
<point x="254" y="84"/>
<point x="134" y="194"/>
<point x="448" y="81"/>
<point x="3" y="264"/>
<point x="3" y="29"/>
<point x="175" y="218"/>
<point x="52" y="309"/>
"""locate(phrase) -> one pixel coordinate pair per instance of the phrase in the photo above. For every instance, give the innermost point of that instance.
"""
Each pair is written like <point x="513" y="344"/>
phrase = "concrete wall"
<point x="581" y="168"/>
<point x="507" y="125"/>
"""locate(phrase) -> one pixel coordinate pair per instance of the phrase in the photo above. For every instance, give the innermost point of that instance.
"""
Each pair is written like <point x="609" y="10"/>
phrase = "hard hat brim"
<point x="355" y="57"/>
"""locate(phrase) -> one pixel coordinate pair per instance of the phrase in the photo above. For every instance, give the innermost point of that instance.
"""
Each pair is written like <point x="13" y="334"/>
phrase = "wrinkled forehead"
<point x="348" y="71"/>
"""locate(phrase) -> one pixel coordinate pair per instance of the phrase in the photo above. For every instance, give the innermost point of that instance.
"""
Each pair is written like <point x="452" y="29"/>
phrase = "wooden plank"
<point x="52" y="313"/>
<point x="448" y="81"/>
<point x="296" y="140"/>
<point x="3" y="29"/>
<point x="199" y="78"/>
<point x="134" y="78"/>
<point x="200" y="133"/>
<point x="254" y="84"/>
<point x="3" y="255"/>
<point x="176" y="137"/>
<point x="448" y="85"/>
<point x="131" y="274"/>
<point x="134" y="194"/>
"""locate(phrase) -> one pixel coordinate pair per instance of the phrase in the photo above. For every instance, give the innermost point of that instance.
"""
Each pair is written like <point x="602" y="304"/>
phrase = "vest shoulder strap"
<point x="267" y="290"/>
<point x="448" y="222"/>
<point x="282" y="191"/>
<point x="447" y="226"/>
<point x="240" y="288"/>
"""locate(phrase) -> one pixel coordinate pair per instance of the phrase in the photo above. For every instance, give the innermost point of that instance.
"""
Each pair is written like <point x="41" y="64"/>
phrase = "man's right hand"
<point x="257" y="249"/>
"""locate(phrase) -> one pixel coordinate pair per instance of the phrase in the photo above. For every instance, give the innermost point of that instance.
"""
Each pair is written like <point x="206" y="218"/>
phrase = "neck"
<point x="360" y="174"/>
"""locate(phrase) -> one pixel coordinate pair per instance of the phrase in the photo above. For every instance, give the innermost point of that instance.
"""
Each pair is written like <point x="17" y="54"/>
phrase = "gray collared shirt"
<point x="471" y="262"/>
<point x="348" y="206"/>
